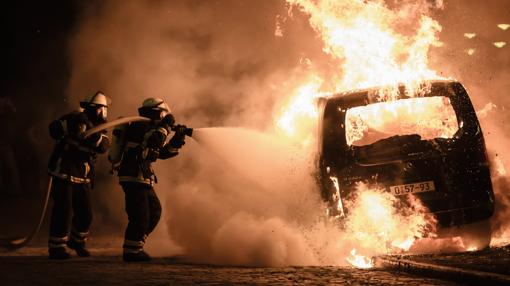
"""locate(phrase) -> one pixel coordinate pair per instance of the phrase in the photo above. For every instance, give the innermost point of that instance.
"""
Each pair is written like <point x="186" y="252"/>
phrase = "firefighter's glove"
<point x="57" y="130"/>
<point x="177" y="140"/>
<point x="168" y="121"/>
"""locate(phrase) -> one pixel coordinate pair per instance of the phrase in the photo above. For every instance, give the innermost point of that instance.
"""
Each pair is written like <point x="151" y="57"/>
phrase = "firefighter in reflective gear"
<point x="72" y="167"/>
<point x="141" y="144"/>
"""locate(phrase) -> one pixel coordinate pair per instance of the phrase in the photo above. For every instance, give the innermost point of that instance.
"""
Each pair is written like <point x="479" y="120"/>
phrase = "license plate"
<point x="420" y="187"/>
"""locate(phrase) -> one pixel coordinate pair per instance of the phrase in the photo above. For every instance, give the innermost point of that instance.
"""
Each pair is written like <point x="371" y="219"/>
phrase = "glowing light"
<point x="499" y="45"/>
<point x="469" y="35"/>
<point x="472" y="248"/>
<point x="360" y="261"/>
<point x="504" y="27"/>
<point x="470" y="51"/>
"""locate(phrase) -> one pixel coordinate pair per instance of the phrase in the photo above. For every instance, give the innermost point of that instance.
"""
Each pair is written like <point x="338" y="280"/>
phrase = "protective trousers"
<point x="71" y="207"/>
<point x="144" y="211"/>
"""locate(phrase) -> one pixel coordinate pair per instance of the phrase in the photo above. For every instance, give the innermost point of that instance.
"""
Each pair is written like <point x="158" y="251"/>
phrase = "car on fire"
<point x="430" y="146"/>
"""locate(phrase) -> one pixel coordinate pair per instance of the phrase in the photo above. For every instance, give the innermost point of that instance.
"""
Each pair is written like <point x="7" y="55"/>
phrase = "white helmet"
<point x="155" y="108"/>
<point x="156" y="103"/>
<point x="98" y="99"/>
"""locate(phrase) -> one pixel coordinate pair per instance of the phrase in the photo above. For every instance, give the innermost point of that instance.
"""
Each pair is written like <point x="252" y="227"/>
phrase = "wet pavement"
<point x="31" y="267"/>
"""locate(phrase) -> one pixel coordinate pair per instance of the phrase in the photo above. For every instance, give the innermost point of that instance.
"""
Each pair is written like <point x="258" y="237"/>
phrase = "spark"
<point x="470" y="51"/>
<point x="469" y="35"/>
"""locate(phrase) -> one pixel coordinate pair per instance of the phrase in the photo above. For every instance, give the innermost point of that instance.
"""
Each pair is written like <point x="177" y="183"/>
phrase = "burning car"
<point x="429" y="145"/>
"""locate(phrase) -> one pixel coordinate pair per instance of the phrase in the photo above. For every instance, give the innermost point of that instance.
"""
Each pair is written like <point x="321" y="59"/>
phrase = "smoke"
<point x="235" y="195"/>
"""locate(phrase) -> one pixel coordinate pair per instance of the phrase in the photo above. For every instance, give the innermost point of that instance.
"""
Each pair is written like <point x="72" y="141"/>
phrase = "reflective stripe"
<point x="101" y="139"/>
<point x="57" y="242"/>
<point x="136" y="180"/>
<point x="173" y="150"/>
<point x="81" y="234"/>
<point x="58" y="239"/>
<point x="134" y="243"/>
<point x="73" y="179"/>
<point x="162" y="130"/>
<point x="64" y="125"/>
<point x="130" y="250"/>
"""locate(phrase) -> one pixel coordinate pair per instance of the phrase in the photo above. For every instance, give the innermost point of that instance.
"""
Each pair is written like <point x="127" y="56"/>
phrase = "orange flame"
<point x="360" y="261"/>
<point x="429" y="117"/>
<point x="374" y="46"/>
<point x="377" y="221"/>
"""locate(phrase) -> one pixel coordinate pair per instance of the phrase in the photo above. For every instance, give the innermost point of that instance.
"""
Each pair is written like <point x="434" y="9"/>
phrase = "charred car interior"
<point x="430" y="146"/>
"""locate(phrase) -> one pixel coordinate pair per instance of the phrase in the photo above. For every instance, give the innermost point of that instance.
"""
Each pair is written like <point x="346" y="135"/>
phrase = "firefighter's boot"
<point x="139" y="256"/>
<point x="58" y="253"/>
<point x="80" y="249"/>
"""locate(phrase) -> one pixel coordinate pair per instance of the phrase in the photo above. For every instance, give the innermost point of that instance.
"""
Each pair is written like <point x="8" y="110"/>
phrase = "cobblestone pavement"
<point x="30" y="266"/>
<point x="493" y="260"/>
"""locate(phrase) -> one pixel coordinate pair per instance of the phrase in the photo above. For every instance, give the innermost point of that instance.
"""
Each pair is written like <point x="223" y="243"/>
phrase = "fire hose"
<point x="15" y="243"/>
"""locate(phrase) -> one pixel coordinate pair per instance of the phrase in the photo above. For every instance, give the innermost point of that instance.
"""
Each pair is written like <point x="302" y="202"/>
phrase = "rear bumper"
<point x="462" y="216"/>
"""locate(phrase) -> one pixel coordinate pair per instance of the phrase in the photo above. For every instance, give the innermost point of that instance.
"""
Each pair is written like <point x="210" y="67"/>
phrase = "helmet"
<point x="154" y="108"/>
<point x="96" y="106"/>
<point x="96" y="100"/>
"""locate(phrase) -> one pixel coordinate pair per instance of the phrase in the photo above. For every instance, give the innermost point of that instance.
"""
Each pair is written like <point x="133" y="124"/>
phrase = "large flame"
<point x="379" y="222"/>
<point x="373" y="45"/>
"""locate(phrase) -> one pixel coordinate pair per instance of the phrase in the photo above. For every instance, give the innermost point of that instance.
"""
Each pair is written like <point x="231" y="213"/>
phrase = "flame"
<point x="499" y="45"/>
<point x="372" y="44"/>
<point x="377" y="220"/>
<point x="429" y="117"/>
<point x="300" y="113"/>
<point x="359" y="261"/>
<point x="469" y="35"/>
<point x="504" y="27"/>
<point x="363" y="36"/>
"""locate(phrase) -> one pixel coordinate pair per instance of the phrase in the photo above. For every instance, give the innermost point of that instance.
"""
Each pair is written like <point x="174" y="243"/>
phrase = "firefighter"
<point x="72" y="167"/>
<point x="135" y="147"/>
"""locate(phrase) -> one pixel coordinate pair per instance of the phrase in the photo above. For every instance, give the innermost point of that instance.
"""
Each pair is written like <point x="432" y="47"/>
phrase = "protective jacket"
<point x="144" y="143"/>
<point x="73" y="156"/>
